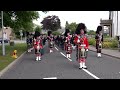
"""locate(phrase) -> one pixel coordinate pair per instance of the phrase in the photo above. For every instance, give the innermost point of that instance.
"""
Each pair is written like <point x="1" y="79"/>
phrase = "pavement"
<point x="109" y="52"/>
<point x="56" y="66"/>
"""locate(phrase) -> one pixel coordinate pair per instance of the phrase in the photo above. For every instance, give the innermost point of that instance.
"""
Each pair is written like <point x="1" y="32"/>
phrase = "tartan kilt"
<point x="68" y="48"/>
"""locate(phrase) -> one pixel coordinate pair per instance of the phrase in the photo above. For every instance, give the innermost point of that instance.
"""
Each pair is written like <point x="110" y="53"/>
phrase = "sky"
<point x="90" y="18"/>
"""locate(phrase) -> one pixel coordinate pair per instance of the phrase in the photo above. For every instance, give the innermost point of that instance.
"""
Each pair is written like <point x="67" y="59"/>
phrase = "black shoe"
<point x="80" y="68"/>
<point x="69" y="57"/>
<point x="85" y="68"/>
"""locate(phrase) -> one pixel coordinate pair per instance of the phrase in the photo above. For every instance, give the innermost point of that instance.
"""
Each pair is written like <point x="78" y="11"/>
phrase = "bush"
<point x="106" y="45"/>
<point x="108" y="42"/>
<point x="91" y="41"/>
<point x="12" y="43"/>
<point x="56" y="33"/>
<point x="114" y="44"/>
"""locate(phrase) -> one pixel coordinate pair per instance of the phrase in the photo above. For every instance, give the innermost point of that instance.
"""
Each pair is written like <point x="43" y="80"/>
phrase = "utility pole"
<point x="117" y="24"/>
<point x="3" y="45"/>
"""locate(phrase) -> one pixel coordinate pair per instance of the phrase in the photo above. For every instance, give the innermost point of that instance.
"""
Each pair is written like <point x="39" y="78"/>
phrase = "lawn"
<point x="7" y="59"/>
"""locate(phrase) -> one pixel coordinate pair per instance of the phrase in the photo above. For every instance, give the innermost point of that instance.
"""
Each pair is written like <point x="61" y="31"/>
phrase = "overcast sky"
<point x="90" y="18"/>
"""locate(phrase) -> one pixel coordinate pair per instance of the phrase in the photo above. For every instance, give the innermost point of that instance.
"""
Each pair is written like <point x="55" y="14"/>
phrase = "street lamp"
<point x="117" y="24"/>
<point x="3" y="45"/>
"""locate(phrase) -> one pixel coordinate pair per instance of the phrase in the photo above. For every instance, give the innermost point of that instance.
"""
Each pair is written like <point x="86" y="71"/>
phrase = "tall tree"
<point x="51" y="23"/>
<point x="72" y="26"/>
<point x="38" y="28"/>
<point x="20" y="19"/>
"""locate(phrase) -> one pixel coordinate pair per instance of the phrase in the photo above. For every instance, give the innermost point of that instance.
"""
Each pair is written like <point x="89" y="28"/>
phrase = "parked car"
<point x="5" y="41"/>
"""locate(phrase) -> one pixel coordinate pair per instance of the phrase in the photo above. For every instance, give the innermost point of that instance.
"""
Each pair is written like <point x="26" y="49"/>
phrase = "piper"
<point x="68" y="45"/>
<point x="50" y="41"/>
<point x="38" y="45"/>
<point x="82" y="44"/>
<point x="99" y="40"/>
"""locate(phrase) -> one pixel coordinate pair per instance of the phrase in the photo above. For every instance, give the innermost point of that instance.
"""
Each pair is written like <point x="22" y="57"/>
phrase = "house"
<point x="113" y="23"/>
<point x="8" y="32"/>
<point x="115" y="17"/>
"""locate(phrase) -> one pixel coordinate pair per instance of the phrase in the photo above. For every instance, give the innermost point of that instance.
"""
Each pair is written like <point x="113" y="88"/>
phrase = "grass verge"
<point x="7" y="59"/>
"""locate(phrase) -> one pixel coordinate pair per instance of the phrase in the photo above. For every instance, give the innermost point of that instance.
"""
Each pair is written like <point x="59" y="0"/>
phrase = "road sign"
<point x="21" y="34"/>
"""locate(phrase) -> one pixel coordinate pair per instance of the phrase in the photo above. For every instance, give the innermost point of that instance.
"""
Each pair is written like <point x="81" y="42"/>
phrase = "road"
<point x="55" y="65"/>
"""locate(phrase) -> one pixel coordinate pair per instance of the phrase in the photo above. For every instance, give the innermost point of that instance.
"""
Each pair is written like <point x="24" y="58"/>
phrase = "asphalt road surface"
<point x="56" y="66"/>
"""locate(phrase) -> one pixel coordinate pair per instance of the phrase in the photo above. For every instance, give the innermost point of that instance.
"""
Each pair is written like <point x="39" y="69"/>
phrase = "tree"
<point x="51" y="23"/>
<point x="56" y="33"/>
<point x="72" y="26"/>
<point x="38" y="28"/>
<point x="91" y="32"/>
<point x="20" y="19"/>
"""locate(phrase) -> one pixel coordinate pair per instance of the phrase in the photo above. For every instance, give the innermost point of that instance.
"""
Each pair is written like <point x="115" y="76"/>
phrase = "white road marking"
<point x="83" y="69"/>
<point x="51" y="78"/>
<point x="56" y="49"/>
<point x="65" y="56"/>
<point x="90" y="74"/>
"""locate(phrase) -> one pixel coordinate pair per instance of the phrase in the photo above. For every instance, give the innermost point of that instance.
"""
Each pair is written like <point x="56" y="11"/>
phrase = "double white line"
<point x="82" y="69"/>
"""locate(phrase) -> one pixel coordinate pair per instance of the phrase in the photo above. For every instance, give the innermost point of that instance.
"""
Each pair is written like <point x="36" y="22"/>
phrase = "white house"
<point x="115" y="17"/>
<point x="113" y="23"/>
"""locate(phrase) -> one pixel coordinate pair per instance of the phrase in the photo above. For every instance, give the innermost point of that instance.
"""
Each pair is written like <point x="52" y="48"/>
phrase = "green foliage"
<point x="113" y="43"/>
<point x="91" y="32"/>
<point x="7" y="59"/>
<point x="56" y="33"/>
<point x="91" y="41"/>
<point x="38" y="28"/>
<point x="108" y="42"/>
<point x="19" y="19"/>
<point x="72" y="26"/>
